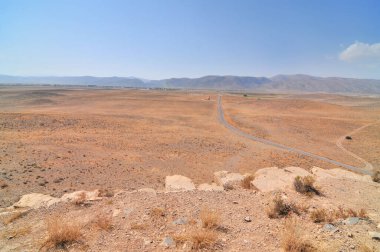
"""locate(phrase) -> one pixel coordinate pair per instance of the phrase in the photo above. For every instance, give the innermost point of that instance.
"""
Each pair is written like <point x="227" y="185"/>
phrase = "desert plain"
<point x="59" y="140"/>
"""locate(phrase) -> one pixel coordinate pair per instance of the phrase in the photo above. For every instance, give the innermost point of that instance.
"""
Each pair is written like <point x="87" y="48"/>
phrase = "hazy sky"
<point x="177" y="38"/>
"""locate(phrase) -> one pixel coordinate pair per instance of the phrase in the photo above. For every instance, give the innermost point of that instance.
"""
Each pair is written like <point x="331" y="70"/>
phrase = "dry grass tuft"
<point x="200" y="238"/>
<point x="80" y="199"/>
<point x="228" y="187"/>
<point x="293" y="241"/>
<point x="376" y="176"/>
<point x="279" y="208"/>
<point x="320" y="215"/>
<point x="210" y="219"/>
<point x="305" y="185"/>
<point x="106" y="193"/>
<point x="157" y="212"/>
<point x="104" y="222"/>
<point x="246" y="182"/>
<point x="138" y="226"/>
<point x="12" y="217"/>
<point x="62" y="233"/>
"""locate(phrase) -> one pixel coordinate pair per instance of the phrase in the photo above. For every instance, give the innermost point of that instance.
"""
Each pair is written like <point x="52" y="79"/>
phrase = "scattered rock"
<point x="178" y="183"/>
<point x="330" y="228"/>
<point x="374" y="235"/>
<point x="350" y="235"/>
<point x="351" y="221"/>
<point x="247" y="219"/>
<point x="180" y="221"/>
<point x="78" y="195"/>
<point x="168" y="242"/>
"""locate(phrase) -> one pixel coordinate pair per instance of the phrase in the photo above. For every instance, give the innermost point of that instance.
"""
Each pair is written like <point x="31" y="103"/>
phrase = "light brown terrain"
<point x="60" y="140"/>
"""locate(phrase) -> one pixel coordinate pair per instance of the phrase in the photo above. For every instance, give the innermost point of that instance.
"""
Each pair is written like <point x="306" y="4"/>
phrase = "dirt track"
<point x="281" y="146"/>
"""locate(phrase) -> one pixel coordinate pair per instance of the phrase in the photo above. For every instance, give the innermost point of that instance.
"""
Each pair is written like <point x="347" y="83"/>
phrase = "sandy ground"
<point x="56" y="140"/>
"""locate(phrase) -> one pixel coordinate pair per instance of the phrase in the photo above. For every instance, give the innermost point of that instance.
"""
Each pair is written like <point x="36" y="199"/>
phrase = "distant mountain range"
<point x="278" y="83"/>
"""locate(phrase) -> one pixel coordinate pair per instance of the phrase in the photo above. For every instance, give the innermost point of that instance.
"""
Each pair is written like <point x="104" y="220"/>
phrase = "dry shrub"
<point x="376" y="176"/>
<point x="104" y="222"/>
<point x="210" y="219"/>
<point x="246" y="182"/>
<point x="228" y="187"/>
<point x="106" y="193"/>
<point x="157" y="212"/>
<point x="138" y="226"/>
<point x="200" y="238"/>
<point x="342" y="213"/>
<point x="305" y="185"/>
<point x="320" y="215"/>
<point x="279" y="208"/>
<point x="292" y="239"/>
<point x="62" y="233"/>
<point x="80" y="199"/>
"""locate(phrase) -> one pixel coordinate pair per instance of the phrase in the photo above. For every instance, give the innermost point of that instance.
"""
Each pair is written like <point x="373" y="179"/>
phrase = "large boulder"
<point x="228" y="179"/>
<point x="273" y="178"/>
<point x="35" y="200"/>
<point x="177" y="183"/>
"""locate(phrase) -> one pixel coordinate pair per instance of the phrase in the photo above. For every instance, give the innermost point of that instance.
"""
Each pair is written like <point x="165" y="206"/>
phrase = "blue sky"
<point x="181" y="38"/>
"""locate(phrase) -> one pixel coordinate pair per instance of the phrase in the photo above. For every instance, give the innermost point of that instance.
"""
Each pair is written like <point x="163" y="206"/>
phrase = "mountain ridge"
<point x="279" y="83"/>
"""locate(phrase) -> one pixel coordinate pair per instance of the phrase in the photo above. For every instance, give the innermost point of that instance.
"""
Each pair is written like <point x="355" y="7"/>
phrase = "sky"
<point x="156" y="39"/>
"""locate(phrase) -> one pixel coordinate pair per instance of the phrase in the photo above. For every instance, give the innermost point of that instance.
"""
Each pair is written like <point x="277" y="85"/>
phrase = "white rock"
<point x="208" y="187"/>
<point x="36" y="200"/>
<point x="339" y="174"/>
<point x="273" y="178"/>
<point x="225" y="178"/>
<point x="178" y="183"/>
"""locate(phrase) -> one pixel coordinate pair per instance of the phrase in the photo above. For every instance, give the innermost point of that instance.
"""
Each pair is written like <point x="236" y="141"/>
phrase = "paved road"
<point x="280" y="146"/>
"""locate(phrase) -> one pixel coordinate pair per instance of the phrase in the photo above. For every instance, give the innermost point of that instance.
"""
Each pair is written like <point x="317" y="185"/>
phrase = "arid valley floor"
<point x="111" y="143"/>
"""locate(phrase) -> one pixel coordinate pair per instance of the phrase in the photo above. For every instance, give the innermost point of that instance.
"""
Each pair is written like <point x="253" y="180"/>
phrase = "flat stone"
<point x="168" y="242"/>
<point x="351" y="221"/>
<point x="180" y="221"/>
<point x="86" y="195"/>
<point x="208" y="187"/>
<point x="178" y="183"/>
<point x="330" y="228"/>
<point x="374" y="235"/>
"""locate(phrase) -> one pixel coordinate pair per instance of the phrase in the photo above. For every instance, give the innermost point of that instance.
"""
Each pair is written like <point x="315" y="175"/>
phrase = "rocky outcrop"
<point x="228" y="179"/>
<point x="178" y="183"/>
<point x="35" y="200"/>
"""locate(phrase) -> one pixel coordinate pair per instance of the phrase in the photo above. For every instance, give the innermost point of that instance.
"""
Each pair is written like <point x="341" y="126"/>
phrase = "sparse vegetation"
<point x="62" y="232"/>
<point x="279" y="208"/>
<point x="320" y="215"/>
<point x="210" y="219"/>
<point x="246" y="182"/>
<point x="104" y="222"/>
<point x="228" y="187"/>
<point x="293" y="241"/>
<point x="106" y="193"/>
<point x="80" y="199"/>
<point x="157" y="212"/>
<point x="200" y="238"/>
<point x="305" y="185"/>
<point x="376" y="176"/>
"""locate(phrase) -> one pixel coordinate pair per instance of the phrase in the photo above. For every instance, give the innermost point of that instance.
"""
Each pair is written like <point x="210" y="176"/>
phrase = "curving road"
<point x="283" y="147"/>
